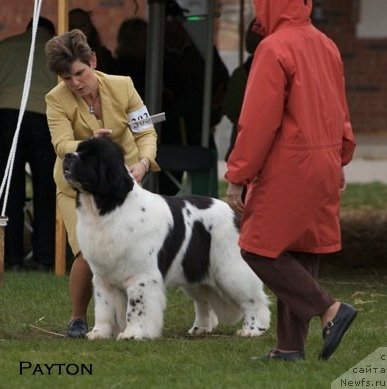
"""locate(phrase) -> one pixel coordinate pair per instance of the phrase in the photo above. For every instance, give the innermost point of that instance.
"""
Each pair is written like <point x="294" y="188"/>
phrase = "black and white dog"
<point x="137" y="243"/>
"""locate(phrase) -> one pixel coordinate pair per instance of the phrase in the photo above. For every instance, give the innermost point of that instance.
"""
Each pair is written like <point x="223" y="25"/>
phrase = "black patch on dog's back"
<point x="200" y="202"/>
<point x="175" y="237"/>
<point x="237" y="221"/>
<point x="197" y="257"/>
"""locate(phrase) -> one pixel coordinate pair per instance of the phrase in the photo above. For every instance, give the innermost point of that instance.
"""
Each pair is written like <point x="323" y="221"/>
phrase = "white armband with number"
<point x="139" y="120"/>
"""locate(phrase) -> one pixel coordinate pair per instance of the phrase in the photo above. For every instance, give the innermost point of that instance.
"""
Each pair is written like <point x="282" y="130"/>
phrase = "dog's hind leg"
<point x="107" y="304"/>
<point x="205" y="318"/>
<point x="241" y="285"/>
<point x="145" y="308"/>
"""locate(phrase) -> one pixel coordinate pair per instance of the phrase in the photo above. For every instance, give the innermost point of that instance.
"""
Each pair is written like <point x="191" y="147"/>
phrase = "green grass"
<point x="33" y="302"/>
<point x="372" y="196"/>
<point x="356" y="197"/>
<point x="35" y="307"/>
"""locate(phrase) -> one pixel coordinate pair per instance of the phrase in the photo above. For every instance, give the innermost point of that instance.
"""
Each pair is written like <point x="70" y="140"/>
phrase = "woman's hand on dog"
<point x="234" y="197"/>
<point x="139" y="169"/>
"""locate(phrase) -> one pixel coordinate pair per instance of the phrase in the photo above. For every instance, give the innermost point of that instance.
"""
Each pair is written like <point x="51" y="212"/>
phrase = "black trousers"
<point x="34" y="146"/>
<point x="292" y="278"/>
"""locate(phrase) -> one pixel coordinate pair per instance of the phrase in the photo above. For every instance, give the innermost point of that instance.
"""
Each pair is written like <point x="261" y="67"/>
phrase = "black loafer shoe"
<point x="334" y="330"/>
<point x="276" y="355"/>
<point x="77" y="329"/>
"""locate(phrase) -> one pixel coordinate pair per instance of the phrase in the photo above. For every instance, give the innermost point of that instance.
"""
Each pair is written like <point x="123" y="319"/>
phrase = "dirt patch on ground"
<point x="364" y="235"/>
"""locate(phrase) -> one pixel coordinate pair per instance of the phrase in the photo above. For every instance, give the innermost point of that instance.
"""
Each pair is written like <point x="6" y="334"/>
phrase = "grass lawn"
<point x="33" y="303"/>
<point x="371" y="196"/>
<point x="35" y="308"/>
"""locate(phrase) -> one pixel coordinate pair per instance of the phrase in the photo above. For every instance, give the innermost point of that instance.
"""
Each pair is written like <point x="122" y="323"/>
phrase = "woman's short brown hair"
<point x="63" y="50"/>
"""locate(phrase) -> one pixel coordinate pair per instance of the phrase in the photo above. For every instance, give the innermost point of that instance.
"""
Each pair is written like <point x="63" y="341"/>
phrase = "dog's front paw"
<point x="138" y="333"/>
<point x="128" y="335"/>
<point x="96" y="333"/>
<point x="250" y="332"/>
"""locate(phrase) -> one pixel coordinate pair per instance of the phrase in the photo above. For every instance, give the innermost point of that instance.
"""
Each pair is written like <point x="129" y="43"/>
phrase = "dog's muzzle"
<point x="68" y="164"/>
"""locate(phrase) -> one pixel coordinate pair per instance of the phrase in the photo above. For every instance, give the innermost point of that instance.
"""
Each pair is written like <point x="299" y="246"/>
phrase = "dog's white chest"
<point x="123" y="242"/>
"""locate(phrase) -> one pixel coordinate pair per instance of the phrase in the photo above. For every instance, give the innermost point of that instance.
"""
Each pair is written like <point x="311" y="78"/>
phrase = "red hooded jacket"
<point x="294" y="136"/>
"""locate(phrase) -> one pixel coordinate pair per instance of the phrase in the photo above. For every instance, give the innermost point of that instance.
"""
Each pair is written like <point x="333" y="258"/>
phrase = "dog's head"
<point x="98" y="168"/>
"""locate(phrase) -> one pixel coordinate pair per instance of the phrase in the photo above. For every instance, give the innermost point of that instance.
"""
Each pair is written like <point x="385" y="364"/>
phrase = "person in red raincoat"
<point x="294" y="137"/>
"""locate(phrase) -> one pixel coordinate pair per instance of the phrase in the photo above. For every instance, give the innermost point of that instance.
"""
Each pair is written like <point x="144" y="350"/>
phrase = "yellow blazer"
<point x="70" y="122"/>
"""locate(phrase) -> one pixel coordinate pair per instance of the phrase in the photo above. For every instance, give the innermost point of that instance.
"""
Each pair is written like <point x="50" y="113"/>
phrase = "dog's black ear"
<point x="115" y="180"/>
<point x="113" y="174"/>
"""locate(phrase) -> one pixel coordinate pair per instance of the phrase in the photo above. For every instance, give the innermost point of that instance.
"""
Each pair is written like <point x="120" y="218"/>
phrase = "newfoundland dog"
<point x="137" y="243"/>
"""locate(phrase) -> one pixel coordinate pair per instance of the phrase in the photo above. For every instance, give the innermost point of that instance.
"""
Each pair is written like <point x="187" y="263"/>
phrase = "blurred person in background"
<point x="131" y="52"/>
<point x="183" y="84"/>
<point x="81" y="19"/>
<point x="34" y="146"/>
<point x="236" y="86"/>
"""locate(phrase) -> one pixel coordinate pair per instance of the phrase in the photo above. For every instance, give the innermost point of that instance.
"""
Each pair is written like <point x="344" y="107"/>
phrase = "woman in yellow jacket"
<point x="88" y="103"/>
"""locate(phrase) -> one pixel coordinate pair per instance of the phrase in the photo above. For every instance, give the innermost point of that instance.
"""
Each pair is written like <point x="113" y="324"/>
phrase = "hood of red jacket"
<point x="271" y="14"/>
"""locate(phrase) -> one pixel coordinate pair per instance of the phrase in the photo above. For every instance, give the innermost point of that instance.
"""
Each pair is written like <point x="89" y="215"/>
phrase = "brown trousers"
<point x="292" y="278"/>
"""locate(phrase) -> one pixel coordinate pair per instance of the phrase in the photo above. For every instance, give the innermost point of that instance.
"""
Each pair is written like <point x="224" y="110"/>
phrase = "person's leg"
<point x="300" y="296"/>
<point x="41" y="158"/>
<point x="80" y="286"/>
<point x="80" y="294"/>
<point x="288" y="322"/>
<point x="14" y="231"/>
<point x="312" y="266"/>
<point x="291" y="331"/>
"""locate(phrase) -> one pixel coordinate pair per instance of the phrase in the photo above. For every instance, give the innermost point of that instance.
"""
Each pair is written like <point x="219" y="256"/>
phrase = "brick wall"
<point x="107" y="15"/>
<point x="365" y="60"/>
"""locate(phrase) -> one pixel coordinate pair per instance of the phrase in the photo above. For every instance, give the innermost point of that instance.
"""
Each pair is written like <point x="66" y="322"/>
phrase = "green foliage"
<point x="35" y="309"/>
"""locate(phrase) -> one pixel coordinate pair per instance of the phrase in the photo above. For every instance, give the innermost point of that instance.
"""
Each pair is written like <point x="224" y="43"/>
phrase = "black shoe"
<point x="77" y="329"/>
<point x="334" y="330"/>
<point x="277" y="355"/>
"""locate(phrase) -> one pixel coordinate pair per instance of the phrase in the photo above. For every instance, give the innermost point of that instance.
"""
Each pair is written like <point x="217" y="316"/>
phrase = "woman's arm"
<point x="62" y="134"/>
